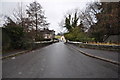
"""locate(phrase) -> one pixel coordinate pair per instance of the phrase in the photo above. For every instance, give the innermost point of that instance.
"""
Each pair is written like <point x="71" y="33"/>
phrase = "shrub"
<point x="77" y="35"/>
<point x="6" y="41"/>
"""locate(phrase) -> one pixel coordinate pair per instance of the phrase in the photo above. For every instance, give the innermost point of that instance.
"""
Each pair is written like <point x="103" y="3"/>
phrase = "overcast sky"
<point x="54" y="9"/>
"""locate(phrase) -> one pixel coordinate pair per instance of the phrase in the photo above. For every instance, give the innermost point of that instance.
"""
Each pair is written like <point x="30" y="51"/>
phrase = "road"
<point x="57" y="61"/>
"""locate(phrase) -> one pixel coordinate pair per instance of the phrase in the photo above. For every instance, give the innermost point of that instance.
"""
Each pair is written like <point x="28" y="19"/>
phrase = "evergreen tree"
<point x="14" y="33"/>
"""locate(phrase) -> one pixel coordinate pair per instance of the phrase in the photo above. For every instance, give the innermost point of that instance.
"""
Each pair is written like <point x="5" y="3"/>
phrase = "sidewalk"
<point x="11" y="52"/>
<point x="100" y="53"/>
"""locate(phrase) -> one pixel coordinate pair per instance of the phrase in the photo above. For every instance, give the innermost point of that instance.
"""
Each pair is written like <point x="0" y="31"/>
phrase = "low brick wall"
<point x="93" y="46"/>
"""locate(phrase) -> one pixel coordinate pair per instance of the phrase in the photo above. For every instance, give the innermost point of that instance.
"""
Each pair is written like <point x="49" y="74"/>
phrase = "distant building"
<point x="47" y="34"/>
<point x="63" y="38"/>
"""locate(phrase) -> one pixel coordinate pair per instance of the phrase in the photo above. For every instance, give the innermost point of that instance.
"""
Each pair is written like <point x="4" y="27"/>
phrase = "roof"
<point x="47" y="31"/>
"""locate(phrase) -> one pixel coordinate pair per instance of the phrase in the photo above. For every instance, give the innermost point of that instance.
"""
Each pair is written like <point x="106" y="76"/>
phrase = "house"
<point x="47" y="34"/>
<point x="63" y="38"/>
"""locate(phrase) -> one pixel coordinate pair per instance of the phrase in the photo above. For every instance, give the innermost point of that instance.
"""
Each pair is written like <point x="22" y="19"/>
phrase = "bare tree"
<point x="36" y="16"/>
<point x="19" y="14"/>
<point x="88" y="17"/>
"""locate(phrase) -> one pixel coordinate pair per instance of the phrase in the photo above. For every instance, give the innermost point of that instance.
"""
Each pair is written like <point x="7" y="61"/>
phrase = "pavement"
<point x="11" y="52"/>
<point x="109" y="55"/>
<point x="58" y="61"/>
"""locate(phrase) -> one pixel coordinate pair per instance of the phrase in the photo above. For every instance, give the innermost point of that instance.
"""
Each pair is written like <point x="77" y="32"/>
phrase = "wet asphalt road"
<point x="57" y="61"/>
